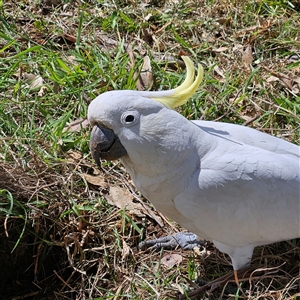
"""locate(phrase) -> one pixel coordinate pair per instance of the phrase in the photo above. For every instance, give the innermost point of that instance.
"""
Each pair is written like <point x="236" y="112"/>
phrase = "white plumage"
<point x="230" y="184"/>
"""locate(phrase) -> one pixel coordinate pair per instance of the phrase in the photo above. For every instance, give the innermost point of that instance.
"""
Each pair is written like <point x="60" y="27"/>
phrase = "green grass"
<point x="62" y="218"/>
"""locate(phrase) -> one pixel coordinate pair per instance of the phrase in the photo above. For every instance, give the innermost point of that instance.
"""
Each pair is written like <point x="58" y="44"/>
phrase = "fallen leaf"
<point x="219" y="71"/>
<point x="283" y="78"/>
<point x="125" y="250"/>
<point x="28" y="77"/>
<point x="36" y="82"/>
<point x="123" y="199"/>
<point x="42" y="91"/>
<point x="238" y="49"/>
<point x="63" y="39"/>
<point x="297" y="80"/>
<point x="169" y="260"/>
<point x="247" y="57"/>
<point x="72" y="59"/>
<point x="139" y="85"/>
<point x="221" y="49"/>
<point x="56" y="88"/>
<point x="153" y="215"/>
<point x="69" y="38"/>
<point x="146" y="75"/>
<point x="272" y="79"/>
<point x="96" y="180"/>
<point x="287" y="81"/>
<point x="74" y="156"/>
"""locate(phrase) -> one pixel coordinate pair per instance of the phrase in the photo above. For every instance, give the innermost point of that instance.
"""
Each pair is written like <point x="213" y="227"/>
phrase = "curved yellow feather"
<point x="182" y="93"/>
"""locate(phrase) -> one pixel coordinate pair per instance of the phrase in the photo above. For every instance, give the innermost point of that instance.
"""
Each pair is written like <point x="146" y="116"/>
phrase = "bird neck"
<point x="156" y="165"/>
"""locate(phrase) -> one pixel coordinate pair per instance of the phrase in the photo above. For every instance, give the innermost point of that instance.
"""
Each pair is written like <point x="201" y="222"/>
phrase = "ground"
<point x="69" y="230"/>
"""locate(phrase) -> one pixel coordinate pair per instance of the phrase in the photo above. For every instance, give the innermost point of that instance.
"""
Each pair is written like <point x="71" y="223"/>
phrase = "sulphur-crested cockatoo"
<point x="226" y="183"/>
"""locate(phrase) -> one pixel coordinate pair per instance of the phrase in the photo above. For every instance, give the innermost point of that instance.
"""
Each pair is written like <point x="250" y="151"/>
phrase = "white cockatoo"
<point x="230" y="184"/>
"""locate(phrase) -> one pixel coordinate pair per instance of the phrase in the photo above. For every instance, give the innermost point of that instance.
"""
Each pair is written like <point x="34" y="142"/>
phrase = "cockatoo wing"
<point x="248" y="136"/>
<point x="251" y="190"/>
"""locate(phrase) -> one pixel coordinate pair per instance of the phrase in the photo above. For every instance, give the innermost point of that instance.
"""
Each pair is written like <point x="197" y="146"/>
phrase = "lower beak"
<point x="105" y="144"/>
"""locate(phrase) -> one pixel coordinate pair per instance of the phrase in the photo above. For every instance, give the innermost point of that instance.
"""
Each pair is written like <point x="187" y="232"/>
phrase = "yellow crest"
<point x="182" y="93"/>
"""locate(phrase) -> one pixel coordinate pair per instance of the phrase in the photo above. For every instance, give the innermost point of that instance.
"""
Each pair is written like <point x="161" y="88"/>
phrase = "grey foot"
<point x="186" y="240"/>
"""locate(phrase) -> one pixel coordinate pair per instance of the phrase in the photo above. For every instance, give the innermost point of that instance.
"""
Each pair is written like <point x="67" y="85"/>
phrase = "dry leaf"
<point x="247" y="57"/>
<point x="96" y="180"/>
<point x="146" y="75"/>
<point x="287" y="81"/>
<point x="148" y="17"/>
<point x="221" y="49"/>
<point x="125" y="250"/>
<point x="36" y="82"/>
<point x="272" y="79"/>
<point x="237" y="47"/>
<point x="28" y="77"/>
<point x="72" y="59"/>
<point x="297" y="80"/>
<point x="154" y="216"/>
<point x="42" y="91"/>
<point x="284" y="79"/>
<point x="74" y="156"/>
<point x="219" y="71"/>
<point x="295" y="90"/>
<point x="69" y="38"/>
<point x="169" y="260"/>
<point x="121" y="198"/>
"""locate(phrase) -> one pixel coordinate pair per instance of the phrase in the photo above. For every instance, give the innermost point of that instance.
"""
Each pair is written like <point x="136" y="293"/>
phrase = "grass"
<point x="61" y="238"/>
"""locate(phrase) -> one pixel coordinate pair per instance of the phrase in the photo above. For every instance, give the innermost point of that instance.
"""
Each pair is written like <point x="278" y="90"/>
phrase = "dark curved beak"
<point x="105" y="144"/>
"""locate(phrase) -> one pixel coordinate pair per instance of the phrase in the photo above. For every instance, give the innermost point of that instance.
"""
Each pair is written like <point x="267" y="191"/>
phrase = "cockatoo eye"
<point x="129" y="118"/>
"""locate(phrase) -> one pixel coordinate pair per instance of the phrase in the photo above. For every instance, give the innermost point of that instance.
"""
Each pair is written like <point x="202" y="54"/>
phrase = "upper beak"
<point x="105" y="144"/>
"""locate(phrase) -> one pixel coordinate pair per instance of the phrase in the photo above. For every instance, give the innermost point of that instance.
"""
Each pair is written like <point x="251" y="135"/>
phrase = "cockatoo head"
<point x="127" y="122"/>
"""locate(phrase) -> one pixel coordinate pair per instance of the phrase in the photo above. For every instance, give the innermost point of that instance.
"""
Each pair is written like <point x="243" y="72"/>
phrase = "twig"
<point x="25" y="296"/>
<point x="64" y="282"/>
